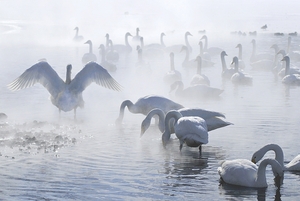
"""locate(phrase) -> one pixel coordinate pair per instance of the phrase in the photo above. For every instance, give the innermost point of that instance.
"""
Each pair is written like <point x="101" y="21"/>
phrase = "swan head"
<point x="223" y="53"/>
<point x="257" y="156"/>
<point x="286" y="59"/>
<point x="183" y="48"/>
<point x="162" y="34"/>
<point x="69" y="67"/>
<point x="88" y="42"/>
<point x="144" y="126"/>
<point x="282" y="52"/>
<point x="128" y="34"/>
<point x="235" y="60"/>
<point x="198" y="59"/>
<point x="203" y="37"/>
<point x="76" y="28"/>
<point x="238" y="46"/>
<point x="253" y="41"/>
<point x="188" y="33"/>
<point x="274" y="46"/>
<point x="107" y="36"/>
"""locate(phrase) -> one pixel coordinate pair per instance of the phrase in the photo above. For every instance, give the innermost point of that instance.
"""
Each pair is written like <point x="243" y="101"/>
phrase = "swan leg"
<point x="200" y="151"/>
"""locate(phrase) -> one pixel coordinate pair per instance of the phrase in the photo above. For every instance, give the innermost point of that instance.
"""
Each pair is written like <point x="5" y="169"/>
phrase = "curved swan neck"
<point x="261" y="172"/>
<point x="76" y="31"/>
<point x="125" y="103"/>
<point x="205" y="42"/>
<point x="68" y="74"/>
<point x="240" y="51"/>
<point x="126" y="39"/>
<point x="162" y="40"/>
<point x="236" y="64"/>
<point x="277" y="149"/>
<point x="201" y="48"/>
<point x="161" y="118"/>
<point x="224" y="66"/>
<point x="199" y="65"/>
<point x="172" y="62"/>
<point x="91" y="47"/>
<point x="187" y="41"/>
<point x="167" y="133"/>
<point x="287" y="65"/>
<point x="187" y="54"/>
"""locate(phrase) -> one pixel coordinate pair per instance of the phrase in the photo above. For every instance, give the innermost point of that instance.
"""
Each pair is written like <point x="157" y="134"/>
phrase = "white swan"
<point x="177" y="48"/>
<point x="293" y="165"/>
<point x="172" y="75"/>
<point x="213" y="119"/>
<point x="289" y="79"/>
<point x="66" y="96"/>
<point x="291" y="69"/>
<point x="145" y="104"/>
<point x="111" y="53"/>
<point x="256" y="57"/>
<point x="239" y="77"/>
<point x="151" y="52"/>
<point x="160" y="45"/>
<point x="123" y="49"/>
<point x="199" y="78"/>
<point x="198" y="91"/>
<point x="143" y="67"/>
<point x="243" y="172"/>
<point x="294" y="55"/>
<point x="90" y="56"/>
<point x="106" y="64"/>
<point x="187" y="63"/>
<point x="212" y="51"/>
<point x="190" y="130"/>
<point x="137" y="36"/>
<point x="226" y="72"/>
<point x="241" y="61"/>
<point x="77" y="37"/>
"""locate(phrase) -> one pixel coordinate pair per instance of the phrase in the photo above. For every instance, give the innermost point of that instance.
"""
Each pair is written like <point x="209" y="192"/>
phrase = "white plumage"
<point x="90" y="56"/>
<point x="66" y="96"/>
<point x="77" y="38"/>
<point x="290" y="79"/>
<point x="238" y="77"/>
<point x="242" y="172"/>
<point x="199" y="78"/>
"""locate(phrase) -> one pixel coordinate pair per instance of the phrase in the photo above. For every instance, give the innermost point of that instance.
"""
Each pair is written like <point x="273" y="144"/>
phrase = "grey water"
<point x="47" y="156"/>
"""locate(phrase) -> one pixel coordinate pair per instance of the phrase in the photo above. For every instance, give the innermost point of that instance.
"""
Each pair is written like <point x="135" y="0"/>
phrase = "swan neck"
<point x="172" y="63"/>
<point x="102" y="54"/>
<point x="187" y="42"/>
<point x="68" y="75"/>
<point x="240" y="52"/>
<point x="161" y="117"/>
<point x="201" y="49"/>
<point x="287" y="66"/>
<point x="278" y="152"/>
<point x="91" y="47"/>
<point x="125" y="103"/>
<point x="261" y="172"/>
<point x="199" y="65"/>
<point x="172" y="114"/>
<point x="205" y="43"/>
<point x="224" y="66"/>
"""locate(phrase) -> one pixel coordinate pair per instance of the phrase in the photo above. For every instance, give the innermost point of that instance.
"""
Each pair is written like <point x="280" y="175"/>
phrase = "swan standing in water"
<point x="226" y="72"/>
<point x="242" y="172"/>
<point x="145" y="104"/>
<point x="190" y="130"/>
<point x="239" y="77"/>
<point x="213" y="119"/>
<point x="290" y="79"/>
<point x="77" y="37"/>
<point x="90" y="56"/>
<point x="172" y="75"/>
<point x="66" y="96"/>
<point x="293" y="165"/>
<point x="200" y="78"/>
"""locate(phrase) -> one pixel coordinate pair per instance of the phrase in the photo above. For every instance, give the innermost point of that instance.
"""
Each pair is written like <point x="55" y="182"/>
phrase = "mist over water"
<point x="47" y="156"/>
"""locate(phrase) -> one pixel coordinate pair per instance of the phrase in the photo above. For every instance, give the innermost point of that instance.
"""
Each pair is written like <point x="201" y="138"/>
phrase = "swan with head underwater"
<point x="293" y="165"/>
<point x="191" y="130"/>
<point x="212" y="118"/>
<point x="66" y="96"/>
<point x="242" y="172"/>
<point x="147" y="103"/>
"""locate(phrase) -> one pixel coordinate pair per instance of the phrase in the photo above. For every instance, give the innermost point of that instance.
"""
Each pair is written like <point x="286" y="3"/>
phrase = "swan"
<point x="123" y="49"/>
<point x="243" y="172"/>
<point x="3" y="116"/>
<point x="90" y="56"/>
<point x="143" y="67"/>
<point x="293" y="165"/>
<point x="137" y="37"/>
<point x="190" y="130"/>
<point x="173" y="75"/>
<point x="160" y="45"/>
<point x="226" y="72"/>
<point x="111" y="53"/>
<point x="107" y="65"/>
<point x="206" y="58"/>
<point x="195" y="92"/>
<point x="241" y="62"/>
<point x="66" y="96"/>
<point x="152" y="52"/>
<point x="239" y="77"/>
<point x="256" y="57"/>
<point x="145" y="104"/>
<point x="177" y="48"/>
<point x="200" y="78"/>
<point x="291" y="70"/>
<point x="289" y="79"/>
<point x="213" y="51"/>
<point x="187" y="63"/>
<point x="213" y="119"/>
<point x="77" y="37"/>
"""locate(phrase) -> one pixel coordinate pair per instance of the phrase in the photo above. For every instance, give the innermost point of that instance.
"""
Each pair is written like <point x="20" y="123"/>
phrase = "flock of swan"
<point x="190" y="125"/>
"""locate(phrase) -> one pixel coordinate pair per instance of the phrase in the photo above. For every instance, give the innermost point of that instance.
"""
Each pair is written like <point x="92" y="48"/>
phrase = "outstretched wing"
<point x="42" y="73"/>
<point x="93" y="72"/>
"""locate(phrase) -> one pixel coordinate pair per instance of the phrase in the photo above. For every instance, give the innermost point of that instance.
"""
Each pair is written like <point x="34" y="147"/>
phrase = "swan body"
<point x="145" y="104"/>
<point x="77" y="38"/>
<point x="66" y="96"/>
<point x="239" y="77"/>
<point x="226" y="72"/>
<point x="177" y="48"/>
<point x="106" y="64"/>
<point x="190" y="130"/>
<point x="200" y="78"/>
<point x="213" y="51"/>
<point x="123" y="49"/>
<point x="213" y="119"/>
<point x="293" y="165"/>
<point x="197" y="91"/>
<point x="243" y="172"/>
<point x="90" y="56"/>
<point x="172" y="75"/>
<point x="289" y="79"/>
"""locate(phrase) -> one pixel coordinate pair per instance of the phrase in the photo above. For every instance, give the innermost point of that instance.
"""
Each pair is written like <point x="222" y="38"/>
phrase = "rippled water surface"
<point x="47" y="157"/>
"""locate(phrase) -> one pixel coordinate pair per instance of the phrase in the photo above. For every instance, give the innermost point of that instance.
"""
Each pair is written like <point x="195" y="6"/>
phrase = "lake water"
<point x="44" y="157"/>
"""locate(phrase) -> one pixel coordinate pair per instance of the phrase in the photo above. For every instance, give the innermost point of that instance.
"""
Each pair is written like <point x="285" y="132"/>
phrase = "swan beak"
<point x="142" y="131"/>
<point x="253" y="161"/>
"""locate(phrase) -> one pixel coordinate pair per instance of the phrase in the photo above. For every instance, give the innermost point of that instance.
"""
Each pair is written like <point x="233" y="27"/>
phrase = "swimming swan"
<point x="90" y="56"/>
<point x="289" y="79"/>
<point x="191" y="130"/>
<point x="66" y="96"/>
<point x="77" y="37"/>
<point x="226" y="72"/>
<point x="293" y="165"/>
<point x="199" y="78"/>
<point x="213" y="119"/>
<point x="243" y="172"/>
<point x="238" y="77"/>
<point x="145" y="104"/>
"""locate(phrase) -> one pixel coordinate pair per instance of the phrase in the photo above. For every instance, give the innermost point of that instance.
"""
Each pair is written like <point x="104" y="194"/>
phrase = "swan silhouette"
<point x="77" y="37"/>
<point x="290" y="79"/>
<point x="226" y="72"/>
<point x="90" y="56"/>
<point x="65" y="95"/>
